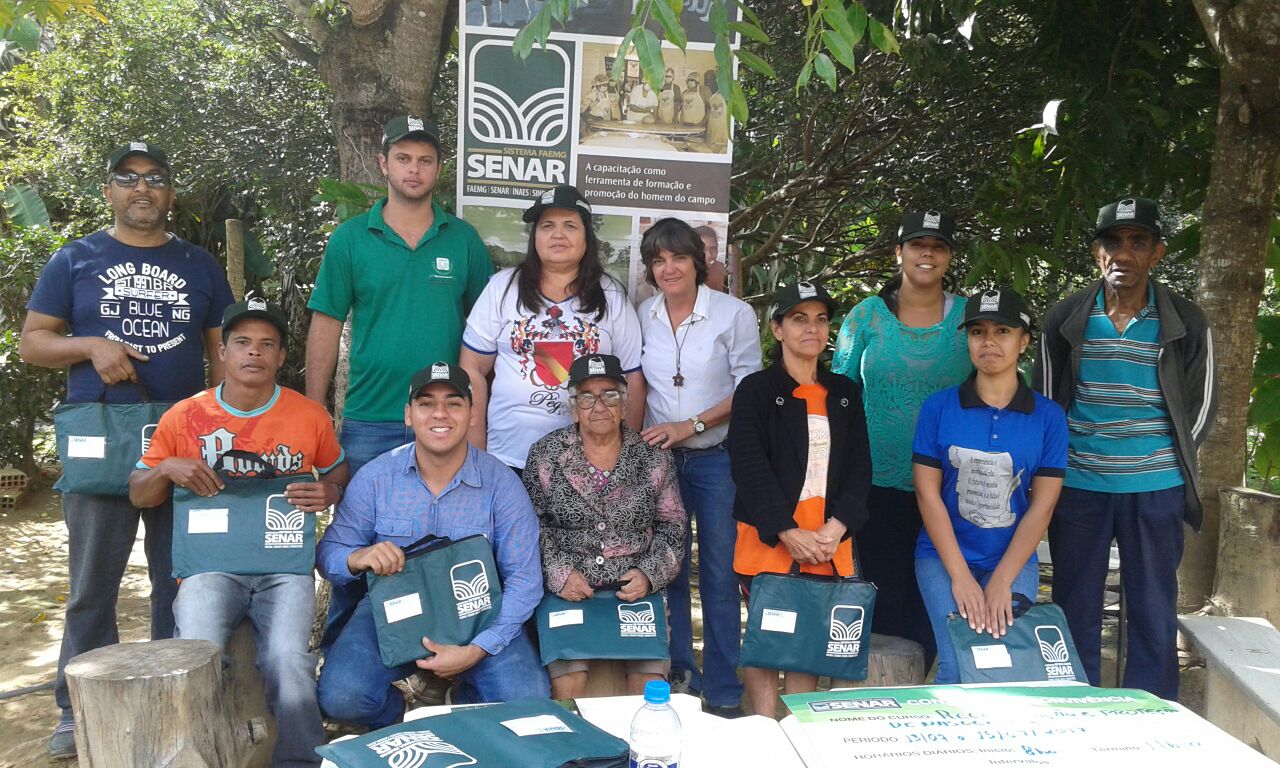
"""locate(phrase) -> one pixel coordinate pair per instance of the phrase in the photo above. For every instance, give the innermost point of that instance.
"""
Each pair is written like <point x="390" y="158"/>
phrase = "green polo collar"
<point x="440" y="218"/>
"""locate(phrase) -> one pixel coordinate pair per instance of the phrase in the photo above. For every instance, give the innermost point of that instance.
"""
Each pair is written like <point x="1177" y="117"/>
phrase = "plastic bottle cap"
<point x="657" y="692"/>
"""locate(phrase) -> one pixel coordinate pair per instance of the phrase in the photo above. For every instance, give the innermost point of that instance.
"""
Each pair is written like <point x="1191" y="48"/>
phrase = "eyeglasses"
<point x="612" y="398"/>
<point x="130" y="180"/>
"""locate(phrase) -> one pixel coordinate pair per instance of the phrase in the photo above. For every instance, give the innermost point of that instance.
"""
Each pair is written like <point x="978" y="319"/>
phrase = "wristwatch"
<point x="698" y="425"/>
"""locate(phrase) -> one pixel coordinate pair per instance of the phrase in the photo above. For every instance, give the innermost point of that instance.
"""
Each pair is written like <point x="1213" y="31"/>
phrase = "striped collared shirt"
<point x="1121" y="434"/>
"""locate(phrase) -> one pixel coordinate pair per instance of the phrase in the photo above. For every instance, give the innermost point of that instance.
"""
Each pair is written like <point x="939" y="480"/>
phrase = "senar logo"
<point x="283" y="523"/>
<point x="470" y="588"/>
<point x="419" y="749"/>
<point x="526" y="104"/>
<point x="845" y="639"/>
<point x="637" y="620"/>
<point x="1053" y="649"/>
<point x="148" y="431"/>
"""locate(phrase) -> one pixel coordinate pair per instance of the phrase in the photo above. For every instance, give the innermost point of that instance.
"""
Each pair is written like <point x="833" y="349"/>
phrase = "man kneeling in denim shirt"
<point x="440" y="485"/>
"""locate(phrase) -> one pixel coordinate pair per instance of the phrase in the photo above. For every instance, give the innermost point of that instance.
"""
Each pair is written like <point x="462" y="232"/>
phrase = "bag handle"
<point x="428" y="542"/>
<point x="1021" y="604"/>
<point x="142" y="390"/>
<point x="268" y="473"/>
<point x="795" y="569"/>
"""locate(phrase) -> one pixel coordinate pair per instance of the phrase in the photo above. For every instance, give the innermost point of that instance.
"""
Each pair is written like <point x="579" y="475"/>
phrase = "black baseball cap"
<point x="255" y="308"/>
<point x="928" y="224"/>
<point x="441" y="373"/>
<point x="1002" y="305"/>
<point x="590" y="366"/>
<point x="560" y="196"/>
<point x="408" y="126"/>
<point x="788" y="296"/>
<point x="1141" y="212"/>
<point x="119" y="154"/>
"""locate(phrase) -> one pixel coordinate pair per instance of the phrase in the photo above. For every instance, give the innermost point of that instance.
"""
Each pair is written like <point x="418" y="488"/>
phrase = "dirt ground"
<point x="33" y="591"/>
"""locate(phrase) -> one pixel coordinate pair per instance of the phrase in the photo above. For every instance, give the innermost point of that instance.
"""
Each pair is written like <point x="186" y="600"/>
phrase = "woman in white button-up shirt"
<point x="698" y="344"/>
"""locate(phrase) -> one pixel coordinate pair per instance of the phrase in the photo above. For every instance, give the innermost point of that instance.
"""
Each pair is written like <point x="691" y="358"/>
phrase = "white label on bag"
<point x="403" y="607"/>
<point x="991" y="657"/>
<point x="536" y="725"/>
<point x="207" y="521"/>
<point x="774" y="620"/>
<point x="86" y="447"/>
<point x="564" y="618"/>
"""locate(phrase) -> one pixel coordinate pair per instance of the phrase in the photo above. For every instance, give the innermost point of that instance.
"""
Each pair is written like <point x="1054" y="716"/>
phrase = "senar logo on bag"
<point x="419" y="749"/>
<point x="846" y="631"/>
<point x="1053" y="649"/>
<point x="470" y="588"/>
<point x="284" y="524"/>
<point x="637" y="620"/>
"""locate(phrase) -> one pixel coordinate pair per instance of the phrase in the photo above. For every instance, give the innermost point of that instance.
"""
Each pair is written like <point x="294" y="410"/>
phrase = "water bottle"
<point x="655" y="730"/>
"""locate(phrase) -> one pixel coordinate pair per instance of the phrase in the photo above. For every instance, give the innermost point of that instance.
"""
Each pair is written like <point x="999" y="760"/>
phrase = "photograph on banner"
<point x="714" y="231"/>
<point x="684" y="117"/>
<point x="506" y="236"/>
<point x="515" y="118"/>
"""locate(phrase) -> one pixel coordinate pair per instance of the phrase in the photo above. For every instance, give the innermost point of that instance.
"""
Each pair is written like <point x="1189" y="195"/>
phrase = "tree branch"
<point x="294" y="46"/>
<point x="317" y="27"/>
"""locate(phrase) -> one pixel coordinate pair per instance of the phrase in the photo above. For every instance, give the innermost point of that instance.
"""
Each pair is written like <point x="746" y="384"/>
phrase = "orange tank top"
<point x="752" y="556"/>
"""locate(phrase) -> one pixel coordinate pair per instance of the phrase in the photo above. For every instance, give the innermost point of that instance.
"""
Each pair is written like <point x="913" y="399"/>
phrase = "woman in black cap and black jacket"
<point x="801" y="463"/>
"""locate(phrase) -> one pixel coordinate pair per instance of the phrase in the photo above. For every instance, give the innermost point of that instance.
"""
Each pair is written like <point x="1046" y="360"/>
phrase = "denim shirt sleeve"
<point x="515" y="544"/>
<point x="351" y="529"/>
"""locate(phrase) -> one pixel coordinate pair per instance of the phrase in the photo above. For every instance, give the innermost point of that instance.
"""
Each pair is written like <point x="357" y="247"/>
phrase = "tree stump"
<point x="893" y="661"/>
<point x="246" y="693"/>
<point x="157" y="704"/>
<point x="1248" y="555"/>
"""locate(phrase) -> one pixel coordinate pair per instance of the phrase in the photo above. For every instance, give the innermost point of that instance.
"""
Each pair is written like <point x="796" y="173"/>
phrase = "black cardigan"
<point x="769" y="448"/>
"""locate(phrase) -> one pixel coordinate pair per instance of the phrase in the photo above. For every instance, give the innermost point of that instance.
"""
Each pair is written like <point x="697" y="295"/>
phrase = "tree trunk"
<point x="893" y="661"/>
<point x="156" y="704"/>
<point x="1238" y="210"/>
<point x="1249" y="556"/>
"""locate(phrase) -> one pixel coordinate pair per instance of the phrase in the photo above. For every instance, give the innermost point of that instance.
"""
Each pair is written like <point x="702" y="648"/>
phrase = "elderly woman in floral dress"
<point x="610" y="509"/>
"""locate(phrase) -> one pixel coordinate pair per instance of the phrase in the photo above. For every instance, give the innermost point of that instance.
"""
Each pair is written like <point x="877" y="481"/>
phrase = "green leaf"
<point x="24" y="33"/>
<point x="857" y="21"/>
<point x="838" y="20"/>
<point x="620" y="60"/>
<point x="1265" y="407"/>
<point x="1266" y="456"/>
<point x="805" y="72"/>
<point x="718" y="20"/>
<point x="257" y="265"/>
<point x="839" y="48"/>
<point x="1269" y="329"/>
<point x="751" y="31"/>
<point x="825" y="69"/>
<point x="24" y="207"/>
<point x="882" y="37"/>
<point x="649" y="49"/>
<point x="670" y="22"/>
<point x="738" y="103"/>
<point x="756" y="63"/>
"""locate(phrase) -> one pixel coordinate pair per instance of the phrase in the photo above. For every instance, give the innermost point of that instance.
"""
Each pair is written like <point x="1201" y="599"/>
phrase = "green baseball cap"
<point x="119" y="154"/>
<point x="410" y="127"/>
<point x="255" y="308"/>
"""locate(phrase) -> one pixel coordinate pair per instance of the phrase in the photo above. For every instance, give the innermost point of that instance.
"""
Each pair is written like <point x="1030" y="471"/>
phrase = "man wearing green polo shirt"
<point x="407" y="273"/>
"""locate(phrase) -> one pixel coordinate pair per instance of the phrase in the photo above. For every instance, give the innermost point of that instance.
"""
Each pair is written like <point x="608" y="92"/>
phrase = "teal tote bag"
<point x="1037" y="647"/>
<point x="602" y="627"/>
<point x="249" y="528"/>
<point x="530" y="733"/>
<point x="448" y="591"/>
<point x="99" y="444"/>
<point x="810" y="623"/>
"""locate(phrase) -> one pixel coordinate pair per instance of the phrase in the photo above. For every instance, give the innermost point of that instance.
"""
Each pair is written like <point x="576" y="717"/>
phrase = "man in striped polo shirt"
<point x="1132" y="365"/>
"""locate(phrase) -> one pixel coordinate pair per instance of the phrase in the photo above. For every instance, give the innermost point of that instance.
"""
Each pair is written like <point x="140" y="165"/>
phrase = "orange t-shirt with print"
<point x="752" y="556"/>
<point x="291" y="433"/>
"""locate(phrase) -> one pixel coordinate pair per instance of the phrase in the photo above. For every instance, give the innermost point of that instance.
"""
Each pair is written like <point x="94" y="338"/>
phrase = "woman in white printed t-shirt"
<point x="533" y="320"/>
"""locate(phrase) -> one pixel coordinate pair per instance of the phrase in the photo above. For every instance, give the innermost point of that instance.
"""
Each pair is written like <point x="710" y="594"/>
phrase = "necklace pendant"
<point x="678" y="380"/>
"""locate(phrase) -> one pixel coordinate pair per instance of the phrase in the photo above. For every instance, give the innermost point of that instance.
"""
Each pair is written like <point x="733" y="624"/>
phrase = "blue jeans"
<point x="100" y="535"/>
<point x="363" y="441"/>
<point x="707" y="490"/>
<point x="280" y="607"/>
<point x="935" y="588"/>
<point x="1147" y="528"/>
<point x="356" y="688"/>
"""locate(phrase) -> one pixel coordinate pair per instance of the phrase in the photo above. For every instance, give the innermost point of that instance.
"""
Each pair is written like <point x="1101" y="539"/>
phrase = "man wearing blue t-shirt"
<point x="1132" y="365"/>
<point x="132" y="312"/>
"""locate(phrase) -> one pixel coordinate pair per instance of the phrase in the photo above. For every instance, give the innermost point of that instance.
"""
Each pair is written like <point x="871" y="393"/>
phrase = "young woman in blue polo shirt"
<point x="988" y="460"/>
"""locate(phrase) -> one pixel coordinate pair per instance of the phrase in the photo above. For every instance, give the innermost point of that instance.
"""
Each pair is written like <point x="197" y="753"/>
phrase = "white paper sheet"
<point x="207" y="521"/>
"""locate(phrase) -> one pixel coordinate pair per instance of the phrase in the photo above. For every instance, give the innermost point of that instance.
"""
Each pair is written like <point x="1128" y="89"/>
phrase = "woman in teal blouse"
<point x="902" y="346"/>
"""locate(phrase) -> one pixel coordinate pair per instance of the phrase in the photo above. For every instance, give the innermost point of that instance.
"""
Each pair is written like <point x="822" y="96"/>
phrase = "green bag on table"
<point x="99" y="443"/>
<point x="1037" y="647"/>
<point x="248" y="528"/>
<point x="803" y="622"/>
<point x="602" y="627"/>
<point x="448" y="591"/>
<point x="530" y="733"/>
